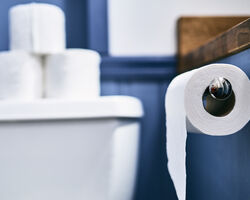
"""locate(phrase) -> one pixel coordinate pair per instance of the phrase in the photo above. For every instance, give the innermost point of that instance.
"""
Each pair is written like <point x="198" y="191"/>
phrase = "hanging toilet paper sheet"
<point x="20" y="76"/>
<point x="191" y="106"/>
<point x="73" y="74"/>
<point x="38" y="28"/>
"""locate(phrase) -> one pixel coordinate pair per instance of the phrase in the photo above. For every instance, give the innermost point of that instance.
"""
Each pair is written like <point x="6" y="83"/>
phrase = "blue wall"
<point x="147" y="79"/>
<point x="217" y="167"/>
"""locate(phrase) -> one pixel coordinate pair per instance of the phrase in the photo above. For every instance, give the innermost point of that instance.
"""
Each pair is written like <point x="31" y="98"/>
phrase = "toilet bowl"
<point x="69" y="150"/>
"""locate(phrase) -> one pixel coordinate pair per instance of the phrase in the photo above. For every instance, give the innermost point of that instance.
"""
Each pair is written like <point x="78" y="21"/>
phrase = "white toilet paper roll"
<point x="38" y="28"/>
<point x="185" y="111"/>
<point x="20" y="76"/>
<point x="73" y="74"/>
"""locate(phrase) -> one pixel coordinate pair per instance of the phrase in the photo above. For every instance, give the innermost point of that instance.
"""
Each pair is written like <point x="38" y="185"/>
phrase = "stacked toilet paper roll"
<point x="38" y="28"/>
<point x="190" y="107"/>
<point x="37" y="42"/>
<point x="73" y="74"/>
<point x="20" y="76"/>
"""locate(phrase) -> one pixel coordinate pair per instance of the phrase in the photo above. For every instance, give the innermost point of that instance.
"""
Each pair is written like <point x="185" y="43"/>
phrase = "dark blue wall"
<point x="147" y="79"/>
<point x="217" y="167"/>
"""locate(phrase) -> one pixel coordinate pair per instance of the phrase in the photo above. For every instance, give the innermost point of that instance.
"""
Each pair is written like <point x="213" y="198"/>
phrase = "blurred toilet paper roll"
<point x="191" y="106"/>
<point x="73" y="74"/>
<point x="37" y="27"/>
<point x="20" y="76"/>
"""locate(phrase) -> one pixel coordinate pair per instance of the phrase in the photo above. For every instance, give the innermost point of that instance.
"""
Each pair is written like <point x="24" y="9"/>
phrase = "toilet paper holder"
<point x="218" y="98"/>
<point x="220" y="88"/>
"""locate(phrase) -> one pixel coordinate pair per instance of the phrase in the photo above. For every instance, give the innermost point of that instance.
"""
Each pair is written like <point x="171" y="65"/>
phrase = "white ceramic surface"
<point x="59" y="156"/>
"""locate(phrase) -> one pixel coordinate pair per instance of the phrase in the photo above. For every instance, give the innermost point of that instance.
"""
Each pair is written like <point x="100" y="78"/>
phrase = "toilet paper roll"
<point x="20" y="76"/>
<point x="73" y="74"/>
<point x="38" y="28"/>
<point x="189" y="107"/>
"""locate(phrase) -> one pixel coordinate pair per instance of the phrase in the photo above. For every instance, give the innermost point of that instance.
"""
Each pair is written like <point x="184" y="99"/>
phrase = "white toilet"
<point x="62" y="150"/>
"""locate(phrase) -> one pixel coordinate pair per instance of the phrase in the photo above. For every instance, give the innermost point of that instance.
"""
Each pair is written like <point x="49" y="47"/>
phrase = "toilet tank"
<point x="65" y="150"/>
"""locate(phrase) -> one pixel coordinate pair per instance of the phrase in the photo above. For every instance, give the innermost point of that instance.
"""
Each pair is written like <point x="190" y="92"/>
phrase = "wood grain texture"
<point x="210" y="40"/>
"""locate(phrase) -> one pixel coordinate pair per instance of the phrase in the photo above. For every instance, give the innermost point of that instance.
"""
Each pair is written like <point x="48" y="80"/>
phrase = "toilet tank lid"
<point x="102" y="107"/>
